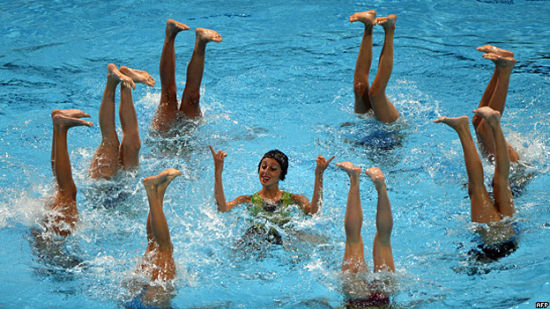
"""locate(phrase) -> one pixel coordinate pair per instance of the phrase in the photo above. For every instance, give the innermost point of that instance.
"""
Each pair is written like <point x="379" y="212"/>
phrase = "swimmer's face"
<point x="270" y="171"/>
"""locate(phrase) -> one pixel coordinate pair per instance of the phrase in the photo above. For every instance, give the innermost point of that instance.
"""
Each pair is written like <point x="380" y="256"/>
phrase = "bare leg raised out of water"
<point x="158" y="260"/>
<point x="354" y="259"/>
<point x="105" y="161"/>
<point x="190" y="106"/>
<point x="501" y="182"/>
<point x="167" y="110"/>
<point x="482" y="208"/>
<point x="383" y="109"/>
<point x="495" y="97"/>
<point x="130" y="145"/>
<point x="354" y="256"/>
<point x="364" y="59"/>
<point x="492" y="83"/>
<point x="381" y="250"/>
<point x="64" y="205"/>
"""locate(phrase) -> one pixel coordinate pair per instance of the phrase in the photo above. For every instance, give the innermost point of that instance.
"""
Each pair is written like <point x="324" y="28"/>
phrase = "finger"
<point x="212" y="150"/>
<point x="224" y="154"/>
<point x="328" y="162"/>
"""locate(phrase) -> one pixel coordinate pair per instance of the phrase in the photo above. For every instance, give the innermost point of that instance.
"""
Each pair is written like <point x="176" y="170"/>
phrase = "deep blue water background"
<point x="282" y="78"/>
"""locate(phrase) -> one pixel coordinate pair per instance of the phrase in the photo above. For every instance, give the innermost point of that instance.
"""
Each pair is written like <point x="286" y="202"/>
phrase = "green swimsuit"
<point x="263" y="212"/>
<point x="277" y="213"/>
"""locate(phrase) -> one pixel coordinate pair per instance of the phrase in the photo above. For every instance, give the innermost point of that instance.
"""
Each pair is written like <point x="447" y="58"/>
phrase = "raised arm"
<point x="313" y="207"/>
<point x="219" y="194"/>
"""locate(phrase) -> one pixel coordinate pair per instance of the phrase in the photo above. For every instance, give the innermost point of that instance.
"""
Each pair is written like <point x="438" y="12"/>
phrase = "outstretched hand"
<point x="219" y="158"/>
<point x="322" y="164"/>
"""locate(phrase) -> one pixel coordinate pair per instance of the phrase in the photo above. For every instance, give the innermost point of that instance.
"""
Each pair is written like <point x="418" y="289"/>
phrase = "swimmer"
<point x="271" y="169"/>
<point x="158" y="262"/>
<point x="483" y="209"/>
<point x="168" y="111"/>
<point x="64" y="212"/>
<point x="354" y="259"/>
<point x="111" y="155"/>
<point x="374" y="98"/>
<point x="495" y="97"/>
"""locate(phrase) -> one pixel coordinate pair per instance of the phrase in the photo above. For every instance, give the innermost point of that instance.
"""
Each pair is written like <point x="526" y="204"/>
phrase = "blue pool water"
<point x="282" y="78"/>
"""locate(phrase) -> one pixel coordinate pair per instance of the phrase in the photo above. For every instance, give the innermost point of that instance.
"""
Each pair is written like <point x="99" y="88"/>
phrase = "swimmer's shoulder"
<point x="300" y="199"/>
<point x="242" y="199"/>
<point x="237" y="201"/>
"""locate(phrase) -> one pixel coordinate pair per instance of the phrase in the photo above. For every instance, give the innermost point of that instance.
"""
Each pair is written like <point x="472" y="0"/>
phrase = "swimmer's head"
<point x="278" y="156"/>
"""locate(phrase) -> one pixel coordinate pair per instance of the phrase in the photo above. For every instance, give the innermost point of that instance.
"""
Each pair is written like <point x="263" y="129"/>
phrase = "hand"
<point x="322" y="164"/>
<point x="218" y="159"/>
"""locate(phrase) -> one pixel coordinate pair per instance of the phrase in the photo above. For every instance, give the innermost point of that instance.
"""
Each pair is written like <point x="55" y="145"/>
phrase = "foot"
<point x="173" y="27"/>
<point x="69" y="118"/>
<point x="388" y="22"/>
<point x="138" y="76"/>
<point x="75" y="113"/>
<point x="348" y="167"/>
<point x="160" y="181"/>
<point x="495" y="50"/>
<point x="490" y="115"/>
<point x="207" y="35"/>
<point x="115" y="76"/>
<point x="368" y="18"/>
<point x="455" y="123"/>
<point x="376" y="176"/>
<point x="501" y="61"/>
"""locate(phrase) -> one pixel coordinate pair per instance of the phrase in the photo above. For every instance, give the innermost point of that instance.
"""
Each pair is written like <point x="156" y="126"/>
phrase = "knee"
<point x="131" y="143"/>
<point x="471" y="190"/>
<point x="192" y="97"/>
<point x="376" y="92"/>
<point x="382" y="238"/>
<point x="501" y="180"/>
<point x="476" y="190"/>
<point x="360" y="88"/>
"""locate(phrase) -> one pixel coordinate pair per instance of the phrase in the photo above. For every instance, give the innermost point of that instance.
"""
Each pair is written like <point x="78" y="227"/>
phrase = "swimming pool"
<point x="282" y="78"/>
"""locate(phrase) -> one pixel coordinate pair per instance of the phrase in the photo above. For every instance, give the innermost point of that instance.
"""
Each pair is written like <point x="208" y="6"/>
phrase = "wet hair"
<point x="278" y="156"/>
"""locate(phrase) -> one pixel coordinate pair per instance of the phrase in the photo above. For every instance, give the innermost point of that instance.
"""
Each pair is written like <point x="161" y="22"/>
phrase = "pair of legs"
<point x="354" y="259"/>
<point x="158" y="260"/>
<point x="374" y="98"/>
<point x="65" y="213"/>
<point x="168" y="111"/>
<point x="483" y="209"/>
<point x="111" y="154"/>
<point x="495" y="97"/>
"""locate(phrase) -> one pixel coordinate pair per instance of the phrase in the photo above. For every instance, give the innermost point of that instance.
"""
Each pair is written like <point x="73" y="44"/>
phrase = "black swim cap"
<point x="278" y="156"/>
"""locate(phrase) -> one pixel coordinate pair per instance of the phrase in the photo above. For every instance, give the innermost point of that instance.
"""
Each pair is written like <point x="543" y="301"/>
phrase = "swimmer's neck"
<point x="271" y="192"/>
